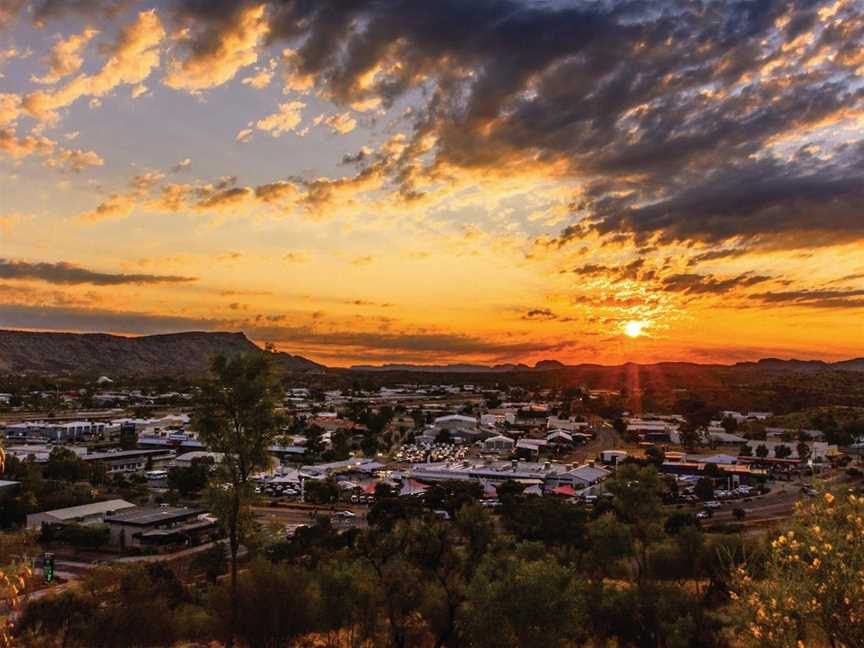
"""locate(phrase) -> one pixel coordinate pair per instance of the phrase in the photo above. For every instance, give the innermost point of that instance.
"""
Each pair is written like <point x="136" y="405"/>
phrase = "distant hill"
<point x="114" y="355"/>
<point x="767" y="364"/>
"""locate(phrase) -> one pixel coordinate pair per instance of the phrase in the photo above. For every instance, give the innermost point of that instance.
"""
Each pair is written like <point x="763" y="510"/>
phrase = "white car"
<point x="345" y="514"/>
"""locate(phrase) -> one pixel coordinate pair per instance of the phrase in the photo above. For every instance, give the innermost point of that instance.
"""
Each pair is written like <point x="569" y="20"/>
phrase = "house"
<point x="160" y="526"/>
<point x="649" y="430"/>
<point x="568" y="425"/>
<point x="84" y="514"/>
<point x="499" y="443"/>
<point x="185" y="460"/>
<point x="719" y="436"/>
<point x="559" y="437"/>
<point x="130" y="461"/>
<point x="613" y="457"/>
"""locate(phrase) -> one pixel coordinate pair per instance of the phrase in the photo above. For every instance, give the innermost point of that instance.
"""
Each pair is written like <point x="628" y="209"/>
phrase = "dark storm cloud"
<point x="44" y="10"/>
<point x="755" y="199"/>
<point x="66" y="273"/>
<point x="665" y="111"/>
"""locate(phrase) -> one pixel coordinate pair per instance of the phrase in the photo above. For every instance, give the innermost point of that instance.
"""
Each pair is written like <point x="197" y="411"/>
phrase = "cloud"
<point x="66" y="273"/>
<point x="648" y="111"/>
<point x="539" y="314"/>
<point x="296" y="257"/>
<point x="65" y="57"/>
<point x="343" y="123"/>
<point x="60" y="318"/>
<point x="116" y="206"/>
<point x="183" y="165"/>
<point x="9" y="10"/>
<point x="361" y="261"/>
<point x="220" y="45"/>
<point x="19" y="147"/>
<point x="841" y="299"/>
<point x="697" y="284"/>
<point x="285" y="120"/>
<point x="130" y="60"/>
<point x="74" y="161"/>
<point x="12" y="220"/>
<point x="262" y="76"/>
<point x="46" y="10"/>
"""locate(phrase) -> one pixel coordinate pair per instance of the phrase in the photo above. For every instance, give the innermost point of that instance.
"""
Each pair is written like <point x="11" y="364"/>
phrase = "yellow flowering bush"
<point x="812" y="588"/>
<point x="13" y="581"/>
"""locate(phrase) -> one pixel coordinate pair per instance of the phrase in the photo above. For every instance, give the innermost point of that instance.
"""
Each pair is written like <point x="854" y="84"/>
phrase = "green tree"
<point x="638" y="497"/>
<point x="730" y="424"/>
<point x="514" y="602"/>
<point x="192" y="479"/>
<point x="655" y="455"/>
<point x="704" y="489"/>
<point x="276" y="605"/>
<point x="803" y="450"/>
<point x="782" y="451"/>
<point x="235" y="414"/>
<point x="761" y="451"/>
<point x="810" y="590"/>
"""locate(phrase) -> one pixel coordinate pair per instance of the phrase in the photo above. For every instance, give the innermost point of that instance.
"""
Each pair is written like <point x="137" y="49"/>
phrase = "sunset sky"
<point x="369" y="181"/>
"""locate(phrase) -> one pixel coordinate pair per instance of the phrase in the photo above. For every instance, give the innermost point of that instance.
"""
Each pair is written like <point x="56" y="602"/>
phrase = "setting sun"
<point x="634" y="328"/>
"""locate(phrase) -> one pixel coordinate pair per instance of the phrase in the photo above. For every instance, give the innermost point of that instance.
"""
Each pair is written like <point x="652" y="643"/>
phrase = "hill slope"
<point x="112" y="355"/>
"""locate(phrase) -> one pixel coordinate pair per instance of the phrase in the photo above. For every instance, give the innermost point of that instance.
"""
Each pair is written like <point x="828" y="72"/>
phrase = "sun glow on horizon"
<point x="634" y="328"/>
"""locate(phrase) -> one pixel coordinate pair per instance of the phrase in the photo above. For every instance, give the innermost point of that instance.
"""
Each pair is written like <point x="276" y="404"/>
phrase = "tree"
<point x="745" y="451"/>
<point x="517" y="601"/>
<point x="655" y="455"/>
<point x="782" y="451"/>
<point x="192" y="479"/>
<point x="277" y="604"/>
<point x="761" y="451"/>
<point x="730" y="424"/>
<point x="128" y="436"/>
<point x="320" y="491"/>
<point x="235" y="414"/>
<point x="803" y="450"/>
<point x="812" y="592"/>
<point x="444" y="437"/>
<point x="704" y="489"/>
<point x="638" y="498"/>
<point x="620" y="426"/>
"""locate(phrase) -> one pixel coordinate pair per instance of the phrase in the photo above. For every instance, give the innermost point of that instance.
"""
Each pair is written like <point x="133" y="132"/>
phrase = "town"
<point x="119" y="475"/>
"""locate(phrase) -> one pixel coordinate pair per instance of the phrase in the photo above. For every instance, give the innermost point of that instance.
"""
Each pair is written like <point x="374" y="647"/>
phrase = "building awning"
<point x="566" y="491"/>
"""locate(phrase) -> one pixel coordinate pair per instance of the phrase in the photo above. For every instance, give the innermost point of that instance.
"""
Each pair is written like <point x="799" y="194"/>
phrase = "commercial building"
<point x="85" y="514"/>
<point x="161" y="526"/>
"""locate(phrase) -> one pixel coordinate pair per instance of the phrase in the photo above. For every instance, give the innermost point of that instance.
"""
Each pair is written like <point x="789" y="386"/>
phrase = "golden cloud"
<point x="65" y="57"/>
<point x="133" y="57"/>
<point x="237" y="48"/>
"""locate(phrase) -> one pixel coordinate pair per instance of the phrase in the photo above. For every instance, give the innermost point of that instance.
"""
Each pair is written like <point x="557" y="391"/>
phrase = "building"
<point x="499" y="443"/>
<point x="613" y="457"/>
<point x="160" y="526"/>
<point x="547" y="474"/>
<point x="657" y="431"/>
<point x="84" y="514"/>
<point x="130" y="461"/>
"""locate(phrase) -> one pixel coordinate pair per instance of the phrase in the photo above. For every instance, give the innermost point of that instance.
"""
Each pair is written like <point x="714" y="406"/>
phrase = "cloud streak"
<point x="66" y="273"/>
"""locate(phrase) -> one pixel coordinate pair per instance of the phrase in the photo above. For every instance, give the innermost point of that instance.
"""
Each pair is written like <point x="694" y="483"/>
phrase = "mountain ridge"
<point x="183" y="353"/>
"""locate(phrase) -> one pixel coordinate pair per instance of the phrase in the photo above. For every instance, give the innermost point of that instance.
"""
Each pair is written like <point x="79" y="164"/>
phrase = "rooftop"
<point x="146" y="516"/>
